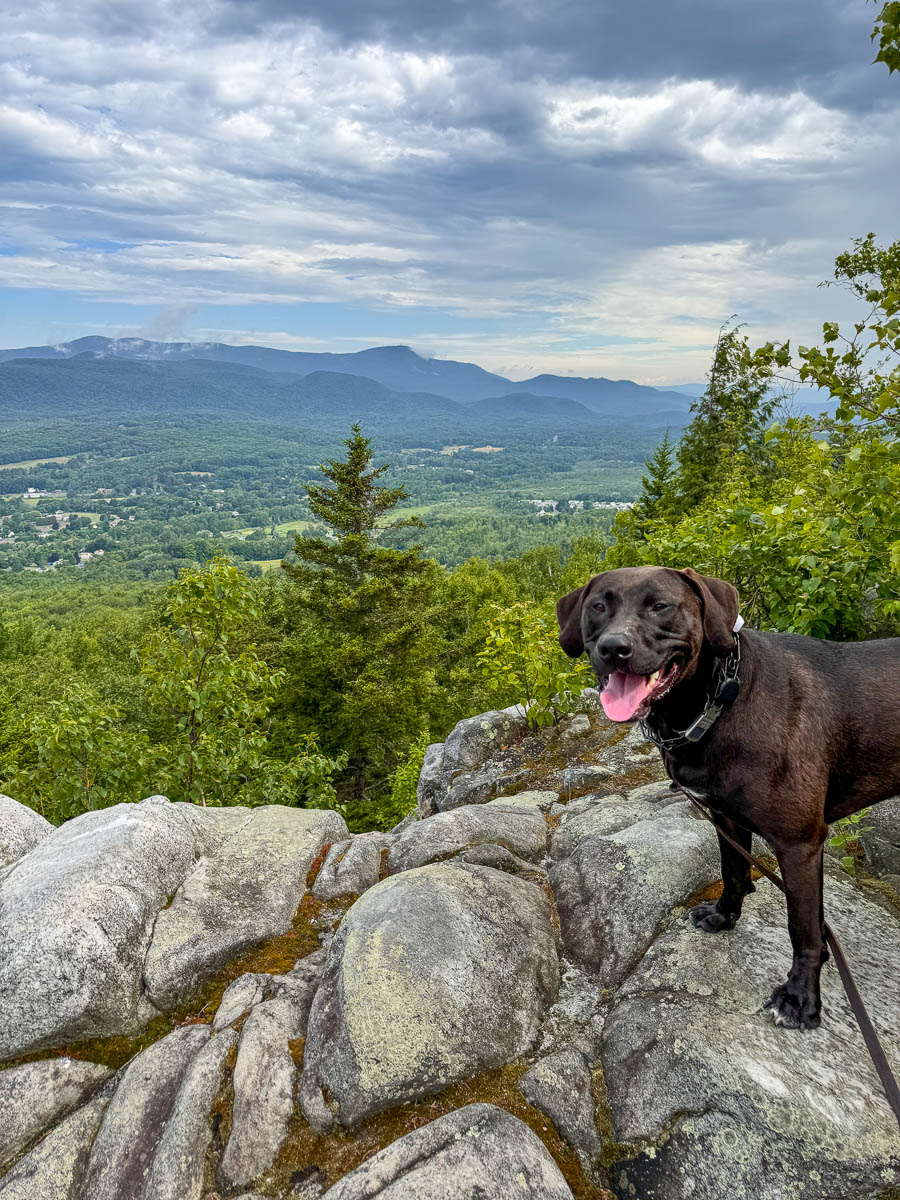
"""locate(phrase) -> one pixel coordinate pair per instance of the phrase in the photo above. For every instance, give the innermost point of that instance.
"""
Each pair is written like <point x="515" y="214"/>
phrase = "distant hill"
<point x="94" y="387"/>
<point x="97" y="388"/>
<point x="396" y="367"/>
<point x="618" y="397"/>
<point x="547" y="411"/>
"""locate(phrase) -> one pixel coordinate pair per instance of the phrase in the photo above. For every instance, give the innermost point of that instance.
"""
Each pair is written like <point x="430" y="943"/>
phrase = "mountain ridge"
<point x="397" y="367"/>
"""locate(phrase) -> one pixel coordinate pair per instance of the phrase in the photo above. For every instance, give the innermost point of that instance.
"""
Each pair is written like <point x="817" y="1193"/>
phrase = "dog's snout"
<point x="615" y="647"/>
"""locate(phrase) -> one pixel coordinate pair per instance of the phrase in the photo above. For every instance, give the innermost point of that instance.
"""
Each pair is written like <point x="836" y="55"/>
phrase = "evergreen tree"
<point x="730" y="419"/>
<point x="658" y="484"/>
<point x="360" y="642"/>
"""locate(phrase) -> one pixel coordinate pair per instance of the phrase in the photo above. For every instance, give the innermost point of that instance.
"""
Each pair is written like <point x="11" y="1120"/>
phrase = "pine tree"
<point x="361" y="638"/>
<point x="656" y="498"/>
<point x="729" y="419"/>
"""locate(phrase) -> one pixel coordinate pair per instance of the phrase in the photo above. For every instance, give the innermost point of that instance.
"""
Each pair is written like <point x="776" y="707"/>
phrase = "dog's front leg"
<point x="713" y="915"/>
<point x="796" y="1003"/>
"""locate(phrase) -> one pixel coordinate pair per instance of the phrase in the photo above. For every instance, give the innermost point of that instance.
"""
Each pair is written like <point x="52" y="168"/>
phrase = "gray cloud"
<point x="169" y="324"/>
<point x="593" y="170"/>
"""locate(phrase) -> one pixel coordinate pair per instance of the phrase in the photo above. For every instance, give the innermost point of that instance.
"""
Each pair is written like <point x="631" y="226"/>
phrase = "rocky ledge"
<point x="497" y="999"/>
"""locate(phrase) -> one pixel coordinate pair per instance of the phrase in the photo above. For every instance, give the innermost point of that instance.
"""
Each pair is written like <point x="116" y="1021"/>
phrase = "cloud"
<point x="168" y="325"/>
<point x="596" y="184"/>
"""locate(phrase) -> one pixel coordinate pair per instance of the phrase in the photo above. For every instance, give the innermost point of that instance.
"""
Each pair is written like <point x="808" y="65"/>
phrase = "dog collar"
<point x="726" y="693"/>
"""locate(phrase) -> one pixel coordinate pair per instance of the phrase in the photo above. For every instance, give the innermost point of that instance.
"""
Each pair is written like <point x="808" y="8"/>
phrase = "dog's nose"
<point x="615" y="647"/>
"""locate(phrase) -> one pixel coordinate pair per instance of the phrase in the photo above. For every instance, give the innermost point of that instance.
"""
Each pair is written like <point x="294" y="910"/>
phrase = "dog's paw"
<point x="794" y="1006"/>
<point x="707" y="917"/>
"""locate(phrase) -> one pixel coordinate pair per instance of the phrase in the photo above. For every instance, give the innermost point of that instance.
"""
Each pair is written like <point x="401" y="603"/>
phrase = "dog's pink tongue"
<point x="624" y="694"/>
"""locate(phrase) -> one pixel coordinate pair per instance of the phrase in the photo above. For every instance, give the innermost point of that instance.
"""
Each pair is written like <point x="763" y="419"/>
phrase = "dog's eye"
<point x="659" y="606"/>
<point x="599" y="607"/>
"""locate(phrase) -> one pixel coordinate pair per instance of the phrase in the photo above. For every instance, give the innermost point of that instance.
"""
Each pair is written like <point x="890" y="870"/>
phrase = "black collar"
<point x="722" y="698"/>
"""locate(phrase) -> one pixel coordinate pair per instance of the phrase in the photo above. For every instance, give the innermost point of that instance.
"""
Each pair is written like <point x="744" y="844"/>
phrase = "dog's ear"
<point x="720" y="603"/>
<point x="568" y="614"/>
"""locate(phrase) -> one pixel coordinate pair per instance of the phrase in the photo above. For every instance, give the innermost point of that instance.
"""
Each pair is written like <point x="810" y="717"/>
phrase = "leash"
<point x="870" y="1037"/>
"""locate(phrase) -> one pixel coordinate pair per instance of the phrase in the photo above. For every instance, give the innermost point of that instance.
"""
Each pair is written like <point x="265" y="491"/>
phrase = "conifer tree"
<point x="656" y="498"/>
<point x="730" y="418"/>
<point x="361" y="643"/>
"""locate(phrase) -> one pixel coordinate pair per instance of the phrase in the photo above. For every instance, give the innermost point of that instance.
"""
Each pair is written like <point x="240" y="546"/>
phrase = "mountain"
<point x="608" y="396"/>
<point x="396" y="367"/>
<point x="525" y="408"/>
<point x="96" y="388"/>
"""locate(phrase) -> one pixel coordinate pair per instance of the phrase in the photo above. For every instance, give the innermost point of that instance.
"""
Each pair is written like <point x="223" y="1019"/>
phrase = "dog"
<point x="777" y="734"/>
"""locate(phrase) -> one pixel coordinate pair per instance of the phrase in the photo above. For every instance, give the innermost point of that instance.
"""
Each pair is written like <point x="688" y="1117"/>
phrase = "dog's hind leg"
<point x="796" y="1004"/>
<point x="713" y="915"/>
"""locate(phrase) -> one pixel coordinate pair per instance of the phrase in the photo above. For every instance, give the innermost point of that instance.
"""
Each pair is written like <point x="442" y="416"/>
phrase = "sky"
<point x="586" y="187"/>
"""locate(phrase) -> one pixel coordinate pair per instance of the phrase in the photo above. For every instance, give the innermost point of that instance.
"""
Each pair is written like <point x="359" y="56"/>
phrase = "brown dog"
<point x="778" y="734"/>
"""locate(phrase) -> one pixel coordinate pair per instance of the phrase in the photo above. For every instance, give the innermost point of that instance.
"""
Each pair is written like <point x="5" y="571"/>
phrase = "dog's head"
<point x="644" y="629"/>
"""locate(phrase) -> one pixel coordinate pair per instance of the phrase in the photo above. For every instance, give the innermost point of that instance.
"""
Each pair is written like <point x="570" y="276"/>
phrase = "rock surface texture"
<point x="122" y="913"/>
<point x="499" y="998"/>
<point x="435" y="974"/>
<point x="478" y="1151"/>
<point x="21" y="828"/>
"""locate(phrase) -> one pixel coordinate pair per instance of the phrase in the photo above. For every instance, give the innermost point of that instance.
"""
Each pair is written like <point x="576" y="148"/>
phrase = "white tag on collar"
<point x="738" y="625"/>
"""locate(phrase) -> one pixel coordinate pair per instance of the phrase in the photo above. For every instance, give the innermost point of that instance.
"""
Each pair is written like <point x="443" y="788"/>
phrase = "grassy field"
<point x="283" y="527"/>
<point x="34" y="462"/>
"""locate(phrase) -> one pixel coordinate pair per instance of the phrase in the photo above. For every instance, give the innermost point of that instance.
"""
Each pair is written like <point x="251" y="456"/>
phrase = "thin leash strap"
<point x="870" y="1037"/>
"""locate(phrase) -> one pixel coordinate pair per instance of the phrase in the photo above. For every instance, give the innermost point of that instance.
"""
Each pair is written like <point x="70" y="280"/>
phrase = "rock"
<point x="477" y="787"/>
<point x="658" y="793"/>
<point x="411" y="817"/>
<point x="881" y="843"/>
<point x="430" y="785"/>
<point x="308" y="970"/>
<point x="240" y="996"/>
<point x="434" y="975"/>
<point x="211" y="826"/>
<point x="38" y="1094"/>
<point x="583" y="777"/>
<point x="476" y="739"/>
<point x="582" y="803"/>
<point x="307" y="1184"/>
<point x="477" y="1151"/>
<point x="54" y="1168"/>
<point x="560" y="1087"/>
<point x="450" y="775"/>
<point x="542" y="801"/>
<point x="76" y="915"/>
<point x="446" y="833"/>
<point x="21" y="829"/>
<point x="602" y="817"/>
<point x="598" y="819"/>
<point x="299" y="985"/>
<point x="614" y="892"/>
<point x="885" y="820"/>
<point x="134" y="1120"/>
<point x="576" y="727"/>
<point x="246" y="892"/>
<point x="714" y="1100"/>
<point x="264" y="1079"/>
<point x="178" y="1164"/>
<point x="502" y="860"/>
<point x="882" y="856"/>
<point x="351" y="866"/>
<point x="893" y="881"/>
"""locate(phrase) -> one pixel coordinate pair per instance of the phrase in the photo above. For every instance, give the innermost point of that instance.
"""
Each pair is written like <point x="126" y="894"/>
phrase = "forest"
<point x="321" y="681"/>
